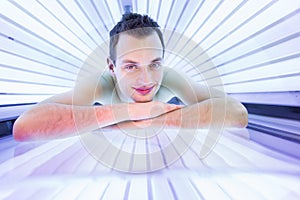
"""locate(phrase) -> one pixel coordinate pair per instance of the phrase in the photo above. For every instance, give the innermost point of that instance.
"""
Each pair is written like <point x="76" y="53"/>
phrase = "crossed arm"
<point x="53" y="120"/>
<point x="211" y="112"/>
<point x="58" y="117"/>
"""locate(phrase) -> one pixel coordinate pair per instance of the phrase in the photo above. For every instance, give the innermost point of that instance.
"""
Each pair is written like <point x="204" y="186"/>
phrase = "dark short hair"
<point x="136" y="25"/>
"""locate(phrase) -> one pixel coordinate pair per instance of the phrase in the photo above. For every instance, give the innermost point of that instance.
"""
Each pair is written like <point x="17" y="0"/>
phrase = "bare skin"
<point x="132" y="93"/>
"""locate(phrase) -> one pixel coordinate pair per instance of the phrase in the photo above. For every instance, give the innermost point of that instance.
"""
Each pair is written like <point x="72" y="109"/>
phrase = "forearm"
<point x="52" y="120"/>
<point x="213" y="112"/>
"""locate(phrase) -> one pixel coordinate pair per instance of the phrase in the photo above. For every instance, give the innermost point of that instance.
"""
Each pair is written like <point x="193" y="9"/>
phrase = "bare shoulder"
<point x="87" y="90"/>
<point x="105" y="88"/>
<point x="97" y="87"/>
<point x="178" y="84"/>
<point x="186" y="89"/>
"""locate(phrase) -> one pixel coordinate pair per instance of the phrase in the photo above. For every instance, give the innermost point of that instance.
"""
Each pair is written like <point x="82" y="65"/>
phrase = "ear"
<point x="111" y="66"/>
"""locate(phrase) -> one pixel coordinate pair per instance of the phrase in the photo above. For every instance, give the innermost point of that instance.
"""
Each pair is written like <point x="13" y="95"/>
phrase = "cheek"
<point x="158" y="76"/>
<point x="121" y="78"/>
<point x="125" y="82"/>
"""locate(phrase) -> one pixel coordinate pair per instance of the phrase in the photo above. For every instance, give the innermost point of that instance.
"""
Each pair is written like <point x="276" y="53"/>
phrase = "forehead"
<point x="138" y="46"/>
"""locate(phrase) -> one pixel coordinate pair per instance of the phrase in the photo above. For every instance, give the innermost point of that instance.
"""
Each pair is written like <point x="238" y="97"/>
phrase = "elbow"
<point x="242" y="117"/>
<point x="26" y="127"/>
<point x="237" y="115"/>
<point x="20" y="132"/>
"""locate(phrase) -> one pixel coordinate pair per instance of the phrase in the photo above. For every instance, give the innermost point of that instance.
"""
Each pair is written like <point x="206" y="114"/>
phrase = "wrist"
<point x="172" y="119"/>
<point x="110" y="114"/>
<point x="120" y="112"/>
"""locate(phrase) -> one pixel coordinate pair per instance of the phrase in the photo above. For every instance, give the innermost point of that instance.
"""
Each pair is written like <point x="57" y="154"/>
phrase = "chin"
<point x="143" y="99"/>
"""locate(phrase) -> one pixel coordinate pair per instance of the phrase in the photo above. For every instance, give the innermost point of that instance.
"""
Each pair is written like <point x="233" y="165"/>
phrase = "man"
<point x="132" y="94"/>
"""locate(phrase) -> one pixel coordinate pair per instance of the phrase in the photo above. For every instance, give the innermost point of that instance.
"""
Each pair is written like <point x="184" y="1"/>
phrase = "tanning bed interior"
<point x="249" y="49"/>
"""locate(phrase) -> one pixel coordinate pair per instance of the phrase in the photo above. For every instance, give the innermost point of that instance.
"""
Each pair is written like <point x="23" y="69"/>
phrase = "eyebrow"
<point x="128" y="61"/>
<point x="134" y="62"/>
<point x="157" y="59"/>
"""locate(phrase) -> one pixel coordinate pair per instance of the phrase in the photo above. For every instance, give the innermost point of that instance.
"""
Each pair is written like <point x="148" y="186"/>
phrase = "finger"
<point x="174" y="106"/>
<point x="157" y="110"/>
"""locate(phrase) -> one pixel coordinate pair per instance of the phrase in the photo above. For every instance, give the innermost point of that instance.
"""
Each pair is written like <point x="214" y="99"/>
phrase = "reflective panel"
<point x="249" y="49"/>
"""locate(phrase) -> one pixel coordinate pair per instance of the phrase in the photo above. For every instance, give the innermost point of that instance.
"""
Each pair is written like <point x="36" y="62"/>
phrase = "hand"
<point x="141" y="111"/>
<point x="132" y="125"/>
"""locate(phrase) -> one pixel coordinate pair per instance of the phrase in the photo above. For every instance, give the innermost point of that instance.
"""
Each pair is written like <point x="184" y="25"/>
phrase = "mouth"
<point x="144" y="90"/>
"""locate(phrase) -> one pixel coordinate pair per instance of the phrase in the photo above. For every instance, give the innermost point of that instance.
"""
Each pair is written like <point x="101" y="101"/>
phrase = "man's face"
<point x="138" y="69"/>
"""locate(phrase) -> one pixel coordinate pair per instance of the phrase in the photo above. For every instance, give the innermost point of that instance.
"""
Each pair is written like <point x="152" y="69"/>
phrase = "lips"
<point x="144" y="90"/>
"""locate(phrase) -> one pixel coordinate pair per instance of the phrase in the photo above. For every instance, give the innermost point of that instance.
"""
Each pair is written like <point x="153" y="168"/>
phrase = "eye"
<point x="155" y="66"/>
<point x="131" y="67"/>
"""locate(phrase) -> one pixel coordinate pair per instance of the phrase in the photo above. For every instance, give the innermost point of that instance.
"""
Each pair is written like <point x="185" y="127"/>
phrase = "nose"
<point x="144" y="76"/>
